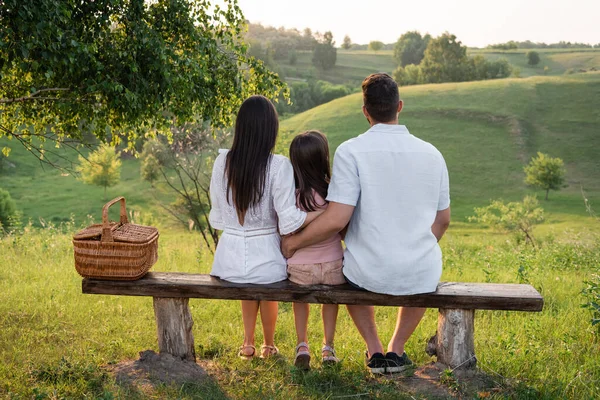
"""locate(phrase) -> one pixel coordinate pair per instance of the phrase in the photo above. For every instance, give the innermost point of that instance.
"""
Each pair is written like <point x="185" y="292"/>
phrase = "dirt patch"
<point x="152" y="369"/>
<point x="435" y="381"/>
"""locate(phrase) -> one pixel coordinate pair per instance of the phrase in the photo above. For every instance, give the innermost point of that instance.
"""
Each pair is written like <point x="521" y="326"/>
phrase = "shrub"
<point x="375" y="45"/>
<point x="517" y="218"/>
<point x="9" y="217"/>
<point x="102" y="168"/>
<point x="592" y="300"/>
<point x="533" y="57"/>
<point x="545" y="172"/>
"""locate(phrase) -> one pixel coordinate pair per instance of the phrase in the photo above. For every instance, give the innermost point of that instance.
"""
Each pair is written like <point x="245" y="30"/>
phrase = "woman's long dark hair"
<point x="256" y="128"/>
<point x="309" y="154"/>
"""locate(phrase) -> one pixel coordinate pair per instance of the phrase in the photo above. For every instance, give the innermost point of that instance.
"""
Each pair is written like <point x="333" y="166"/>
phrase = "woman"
<point x="253" y="202"/>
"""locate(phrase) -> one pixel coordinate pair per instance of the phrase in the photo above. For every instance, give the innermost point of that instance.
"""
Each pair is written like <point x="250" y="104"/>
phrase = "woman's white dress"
<point x="251" y="253"/>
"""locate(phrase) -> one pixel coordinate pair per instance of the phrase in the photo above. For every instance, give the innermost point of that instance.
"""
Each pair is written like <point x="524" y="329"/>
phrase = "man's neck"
<point x="394" y="122"/>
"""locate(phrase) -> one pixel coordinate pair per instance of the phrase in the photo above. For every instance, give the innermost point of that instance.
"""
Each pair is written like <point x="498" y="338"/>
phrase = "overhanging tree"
<point x="75" y="70"/>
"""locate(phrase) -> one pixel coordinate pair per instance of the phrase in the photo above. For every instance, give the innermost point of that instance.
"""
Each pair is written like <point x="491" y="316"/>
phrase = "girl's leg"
<point x="329" y="313"/>
<point x="268" y="316"/>
<point x="249" y="313"/>
<point x="301" y="311"/>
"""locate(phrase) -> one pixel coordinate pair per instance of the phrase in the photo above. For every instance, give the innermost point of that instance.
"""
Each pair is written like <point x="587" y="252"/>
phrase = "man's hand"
<point x="287" y="248"/>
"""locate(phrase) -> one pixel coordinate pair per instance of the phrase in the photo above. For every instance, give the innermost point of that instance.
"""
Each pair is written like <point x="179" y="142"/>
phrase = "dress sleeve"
<point x="215" y="217"/>
<point x="444" y="200"/>
<point x="345" y="182"/>
<point x="284" y="200"/>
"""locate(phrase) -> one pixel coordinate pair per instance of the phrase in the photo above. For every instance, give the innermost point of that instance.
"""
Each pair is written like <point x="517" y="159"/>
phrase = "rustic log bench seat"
<point x="453" y="344"/>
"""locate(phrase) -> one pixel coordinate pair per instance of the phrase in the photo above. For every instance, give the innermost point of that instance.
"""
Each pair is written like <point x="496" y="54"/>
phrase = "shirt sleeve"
<point x="215" y="217"/>
<point x="284" y="200"/>
<point x="444" y="200"/>
<point x="345" y="183"/>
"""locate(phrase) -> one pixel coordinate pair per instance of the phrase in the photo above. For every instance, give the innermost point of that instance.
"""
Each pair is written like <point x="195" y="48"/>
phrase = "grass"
<point x="57" y="343"/>
<point x="487" y="131"/>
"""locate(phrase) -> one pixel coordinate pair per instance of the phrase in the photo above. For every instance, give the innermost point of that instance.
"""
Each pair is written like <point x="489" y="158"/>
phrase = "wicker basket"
<point x="115" y="251"/>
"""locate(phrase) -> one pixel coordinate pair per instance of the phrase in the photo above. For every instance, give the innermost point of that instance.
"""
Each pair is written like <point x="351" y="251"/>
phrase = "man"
<point x="392" y="191"/>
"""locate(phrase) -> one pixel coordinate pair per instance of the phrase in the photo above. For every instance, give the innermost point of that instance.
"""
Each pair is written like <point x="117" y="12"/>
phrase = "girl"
<point x="253" y="201"/>
<point x="320" y="263"/>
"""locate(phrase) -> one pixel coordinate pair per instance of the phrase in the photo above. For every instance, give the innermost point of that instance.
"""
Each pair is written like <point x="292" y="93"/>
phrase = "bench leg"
<point x="174" y="327"/>
<point x="453" y="344"/>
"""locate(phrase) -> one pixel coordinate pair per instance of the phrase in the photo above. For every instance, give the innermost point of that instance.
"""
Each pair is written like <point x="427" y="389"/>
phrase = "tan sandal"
<point x="272" y="351"/>
<point x="302" y="359"/>
<point x="330" y="359"/>
<point x="245" y="356"/>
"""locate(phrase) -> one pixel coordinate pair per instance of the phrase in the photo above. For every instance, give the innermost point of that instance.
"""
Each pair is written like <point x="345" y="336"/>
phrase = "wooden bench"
<point x="453" y="344"/>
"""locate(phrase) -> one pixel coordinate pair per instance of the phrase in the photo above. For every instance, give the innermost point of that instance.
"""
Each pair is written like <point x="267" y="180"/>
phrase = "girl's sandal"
<point x="267" y="351"/>
<point x="329" y="359"/>
<point x="302" y="360"/>
<point x="245" y="356"/>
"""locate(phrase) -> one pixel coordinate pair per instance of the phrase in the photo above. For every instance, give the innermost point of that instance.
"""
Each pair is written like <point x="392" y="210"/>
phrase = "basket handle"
<point x="106" y="231"/>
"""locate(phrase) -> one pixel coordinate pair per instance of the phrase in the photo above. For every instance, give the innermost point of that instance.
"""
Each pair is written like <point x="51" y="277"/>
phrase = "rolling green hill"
<point x="488" y="130"/>
<point x="353" y="65"/>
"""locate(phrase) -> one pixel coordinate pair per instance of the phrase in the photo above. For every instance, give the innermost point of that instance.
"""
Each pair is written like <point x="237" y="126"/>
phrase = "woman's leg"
<point x="268" y="316"/>
<point x="329" y="313"/>
<point x="301" y="311"/>
<point x="249" y="313"/>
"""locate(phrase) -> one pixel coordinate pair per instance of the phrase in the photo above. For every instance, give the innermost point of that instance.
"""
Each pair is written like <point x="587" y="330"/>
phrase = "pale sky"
<point x="475" y="22"/>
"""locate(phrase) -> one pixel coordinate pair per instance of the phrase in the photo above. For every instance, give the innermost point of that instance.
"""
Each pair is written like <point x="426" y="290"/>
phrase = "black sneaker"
<point x="377" y="363"/>
<point x="396" y="363"/>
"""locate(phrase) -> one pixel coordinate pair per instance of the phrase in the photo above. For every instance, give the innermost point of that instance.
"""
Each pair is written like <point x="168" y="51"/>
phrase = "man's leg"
<point x="408" y="320"/>
<point x="364" y="319"/>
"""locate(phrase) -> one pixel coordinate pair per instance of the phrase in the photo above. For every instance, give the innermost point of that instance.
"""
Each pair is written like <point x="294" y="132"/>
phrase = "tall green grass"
<point x="58" y="343"/>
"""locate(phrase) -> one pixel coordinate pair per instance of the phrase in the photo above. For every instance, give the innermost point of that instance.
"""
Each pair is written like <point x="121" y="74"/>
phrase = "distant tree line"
<point x="423" y="59"/>
<point x="528" y="44"/>
<point x="275" y="45"/>
<point x="309" y="94"/>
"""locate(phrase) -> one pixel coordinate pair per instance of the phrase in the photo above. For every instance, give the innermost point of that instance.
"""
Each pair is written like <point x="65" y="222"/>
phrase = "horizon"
<point x="537" y="21"/>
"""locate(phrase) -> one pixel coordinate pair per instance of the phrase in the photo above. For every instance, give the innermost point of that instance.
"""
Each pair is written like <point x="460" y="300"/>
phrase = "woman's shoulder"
<point x="278" y="162"/>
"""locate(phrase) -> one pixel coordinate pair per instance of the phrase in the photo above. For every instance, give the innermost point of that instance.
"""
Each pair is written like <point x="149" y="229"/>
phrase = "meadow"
<point x="58" y="343"/>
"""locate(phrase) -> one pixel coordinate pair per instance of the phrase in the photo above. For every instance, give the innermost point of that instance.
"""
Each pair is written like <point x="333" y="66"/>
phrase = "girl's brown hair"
<point x="309" y="154"/>
<point x="256" y="128"/>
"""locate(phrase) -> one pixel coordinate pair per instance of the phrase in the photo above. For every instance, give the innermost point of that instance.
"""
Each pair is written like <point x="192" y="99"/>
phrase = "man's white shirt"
<point x="397" y="183"/>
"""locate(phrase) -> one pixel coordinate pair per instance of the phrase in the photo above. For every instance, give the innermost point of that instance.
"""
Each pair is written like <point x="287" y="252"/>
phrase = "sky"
<point x="476" y="23"/>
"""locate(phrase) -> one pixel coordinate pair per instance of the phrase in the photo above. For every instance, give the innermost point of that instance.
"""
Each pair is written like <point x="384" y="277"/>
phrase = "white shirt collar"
<point x="387" y="128"/>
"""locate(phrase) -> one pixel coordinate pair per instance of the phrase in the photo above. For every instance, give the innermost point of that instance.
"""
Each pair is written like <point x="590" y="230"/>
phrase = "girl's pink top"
<point x="326" y="251"/>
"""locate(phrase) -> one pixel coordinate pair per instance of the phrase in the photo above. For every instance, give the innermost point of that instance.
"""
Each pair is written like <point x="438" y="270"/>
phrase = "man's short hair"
<point x="381" y="97"/>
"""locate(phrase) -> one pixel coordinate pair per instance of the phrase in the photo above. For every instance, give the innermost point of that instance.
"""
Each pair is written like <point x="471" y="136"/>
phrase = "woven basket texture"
<point x="115" y="251"/>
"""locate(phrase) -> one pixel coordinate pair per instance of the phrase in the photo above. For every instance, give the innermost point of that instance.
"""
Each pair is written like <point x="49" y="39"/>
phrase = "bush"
<point x="375" y="45"/>
<point x="517" y="218"/>
<point x="592" y="300"/>
<point x="9" y="217"/>
<point x="545" y="172"/>
<point x="533" y="58"/>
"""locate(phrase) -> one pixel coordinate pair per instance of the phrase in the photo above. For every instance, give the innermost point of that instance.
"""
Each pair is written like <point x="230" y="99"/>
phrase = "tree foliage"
<point x="347" y="43"/>
<point x="518" y="218"/>
<point x="183" y="167"/>
<point x="375" y="45"/>
<point x="113" y="69"/>
<point x="102" y="168"/>
<point x="444" y="60"/>
<point x="545" y="172"/>
<point x="410" y="48"/>
<point x="533" y="57"/>
<point x="325" y="53"/>
<point x="8" y="212"/>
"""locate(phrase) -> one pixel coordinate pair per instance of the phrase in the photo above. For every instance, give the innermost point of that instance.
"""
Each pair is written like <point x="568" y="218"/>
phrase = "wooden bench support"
<point x="453" y="343"/>
<point x="174" y="327"/>
<point x="456" y="301"/>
